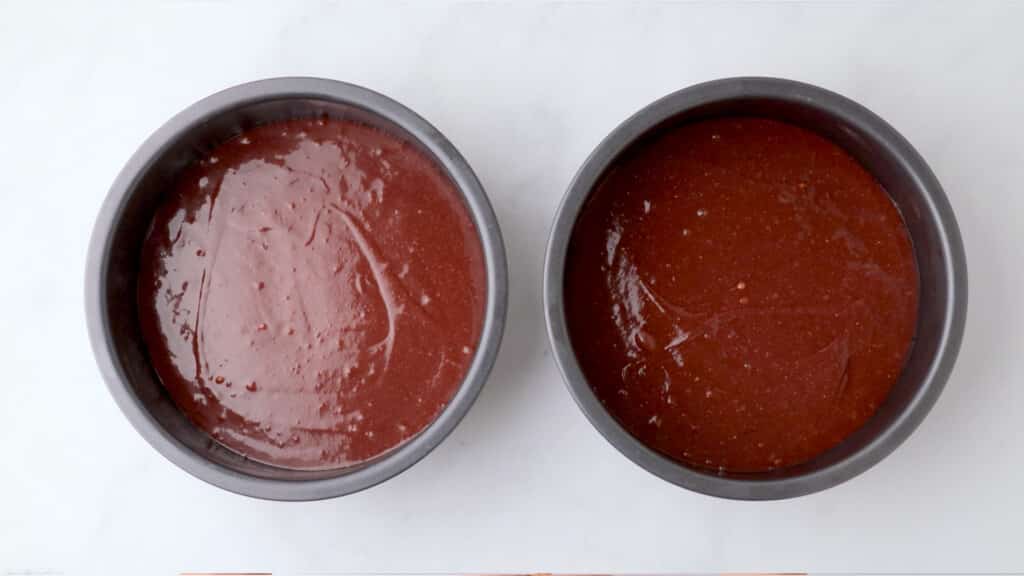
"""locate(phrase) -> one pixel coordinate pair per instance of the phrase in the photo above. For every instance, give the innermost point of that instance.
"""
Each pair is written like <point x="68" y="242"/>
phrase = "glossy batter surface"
<point x="312" y="293"/>
<point x="741" y="294"/>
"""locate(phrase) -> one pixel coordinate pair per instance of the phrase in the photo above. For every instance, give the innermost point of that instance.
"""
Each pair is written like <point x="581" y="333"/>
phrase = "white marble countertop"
<point x="525" y="91"/>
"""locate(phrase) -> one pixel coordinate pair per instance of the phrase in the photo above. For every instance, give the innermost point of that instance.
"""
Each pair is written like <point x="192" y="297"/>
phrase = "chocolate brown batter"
<point x="312" y="293"/>
<point x="741" y="294"/>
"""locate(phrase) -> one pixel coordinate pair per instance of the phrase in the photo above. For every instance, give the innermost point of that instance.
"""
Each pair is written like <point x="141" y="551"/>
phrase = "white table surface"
<point x="525" y="91"/>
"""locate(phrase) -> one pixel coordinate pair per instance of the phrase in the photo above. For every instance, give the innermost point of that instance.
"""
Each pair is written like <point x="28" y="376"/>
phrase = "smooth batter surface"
<point x="741" y="294"/>
<point x="312" y="293"/>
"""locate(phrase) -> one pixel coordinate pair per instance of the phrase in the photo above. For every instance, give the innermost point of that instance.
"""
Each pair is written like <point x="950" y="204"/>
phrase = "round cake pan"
<point x="938" y="250"/>
<point x="113" y="264"/>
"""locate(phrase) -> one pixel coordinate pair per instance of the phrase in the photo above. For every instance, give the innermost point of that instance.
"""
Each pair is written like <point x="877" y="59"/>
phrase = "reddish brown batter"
<point x="312" y="293"/>
<point x="741" y="293"/>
